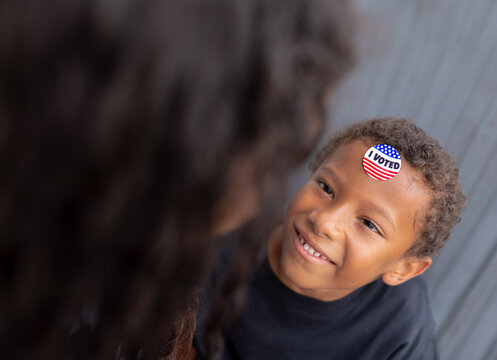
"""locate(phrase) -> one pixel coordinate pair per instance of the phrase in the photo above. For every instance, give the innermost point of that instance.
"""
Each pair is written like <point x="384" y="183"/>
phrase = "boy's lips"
<point x="310" y="250"/>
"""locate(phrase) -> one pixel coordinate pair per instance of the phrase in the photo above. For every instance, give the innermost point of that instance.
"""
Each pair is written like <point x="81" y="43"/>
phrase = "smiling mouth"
<point x="310" y="250"/>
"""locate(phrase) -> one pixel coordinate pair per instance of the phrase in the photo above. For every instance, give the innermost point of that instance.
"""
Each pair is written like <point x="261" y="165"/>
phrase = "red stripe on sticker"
<point x="375" y="174"/>
<point x="378" y="168"/>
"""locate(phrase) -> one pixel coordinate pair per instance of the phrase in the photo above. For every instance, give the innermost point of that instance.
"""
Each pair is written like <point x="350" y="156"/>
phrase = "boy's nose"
<point x="327" y="222"/>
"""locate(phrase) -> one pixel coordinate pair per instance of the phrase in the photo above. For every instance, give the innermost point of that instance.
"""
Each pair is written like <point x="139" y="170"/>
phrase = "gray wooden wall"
<point x="435" y="62"/>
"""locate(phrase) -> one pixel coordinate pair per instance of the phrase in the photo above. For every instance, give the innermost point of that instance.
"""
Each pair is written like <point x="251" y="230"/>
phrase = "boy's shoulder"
<point x="399" y="319"/>
<point x="406" y="306"/>
<point x="409" y="297"/>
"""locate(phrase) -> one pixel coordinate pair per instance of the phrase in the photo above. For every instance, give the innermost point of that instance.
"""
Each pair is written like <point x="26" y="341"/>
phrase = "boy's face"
<point x="361" y="227"/>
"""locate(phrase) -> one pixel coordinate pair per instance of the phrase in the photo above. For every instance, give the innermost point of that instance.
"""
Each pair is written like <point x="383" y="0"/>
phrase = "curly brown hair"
<point x="424" y="154"/>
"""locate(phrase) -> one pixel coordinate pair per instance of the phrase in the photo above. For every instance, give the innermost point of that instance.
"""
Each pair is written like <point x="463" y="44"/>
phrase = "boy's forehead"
<point x="350" y="156"/>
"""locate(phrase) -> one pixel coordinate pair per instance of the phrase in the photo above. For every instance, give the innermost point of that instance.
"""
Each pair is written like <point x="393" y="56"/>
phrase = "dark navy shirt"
<point x="374" y="322"/>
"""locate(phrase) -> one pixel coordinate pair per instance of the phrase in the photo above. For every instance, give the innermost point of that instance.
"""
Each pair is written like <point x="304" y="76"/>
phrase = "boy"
<point x="340" y="281"/>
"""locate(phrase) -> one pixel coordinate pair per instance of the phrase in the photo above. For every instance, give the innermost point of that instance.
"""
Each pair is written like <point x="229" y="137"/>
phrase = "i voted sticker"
<point x="381" y="162"/>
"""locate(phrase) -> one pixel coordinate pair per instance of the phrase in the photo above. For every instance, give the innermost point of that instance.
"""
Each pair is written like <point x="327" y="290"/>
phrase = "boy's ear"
<point x="406" y="269"/>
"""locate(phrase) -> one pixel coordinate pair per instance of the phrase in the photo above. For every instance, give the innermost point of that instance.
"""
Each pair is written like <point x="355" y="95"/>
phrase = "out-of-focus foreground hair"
<point x="119" y="121"/>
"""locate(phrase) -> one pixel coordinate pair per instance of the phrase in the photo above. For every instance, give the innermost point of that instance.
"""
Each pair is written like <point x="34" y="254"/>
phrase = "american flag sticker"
<point x="381" y="162"/>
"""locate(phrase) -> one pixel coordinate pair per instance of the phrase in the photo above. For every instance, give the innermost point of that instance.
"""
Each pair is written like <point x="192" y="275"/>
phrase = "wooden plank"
<point x="492" y="351"/>
<point x="465" y="60"/>
<point x="421" y="50"/>
<point x="387" y="73"/>
<point x="475" y="236"/>
<point x="473" y="330"/>
<point x="453" y="62"/>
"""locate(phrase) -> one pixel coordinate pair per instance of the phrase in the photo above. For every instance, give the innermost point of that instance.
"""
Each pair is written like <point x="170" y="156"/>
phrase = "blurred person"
<point x="130" y="134"/>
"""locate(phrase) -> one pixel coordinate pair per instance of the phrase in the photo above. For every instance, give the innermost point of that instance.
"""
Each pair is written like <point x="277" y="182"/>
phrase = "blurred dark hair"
<point x="119" y="121"/>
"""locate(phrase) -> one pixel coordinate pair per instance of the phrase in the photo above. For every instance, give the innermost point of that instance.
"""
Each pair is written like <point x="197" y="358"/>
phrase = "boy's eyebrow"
<point x="332" y="174"/>
<point x="382" y="212"/>
<point x="370" y="205"/>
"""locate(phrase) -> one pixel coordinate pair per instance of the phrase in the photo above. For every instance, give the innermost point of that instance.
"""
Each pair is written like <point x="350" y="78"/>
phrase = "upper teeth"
<point x="311" y="250"/>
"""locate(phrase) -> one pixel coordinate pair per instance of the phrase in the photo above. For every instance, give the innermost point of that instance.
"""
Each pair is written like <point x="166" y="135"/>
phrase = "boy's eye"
<point x="326" y="188"/>
<point x="370" y="225"/>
